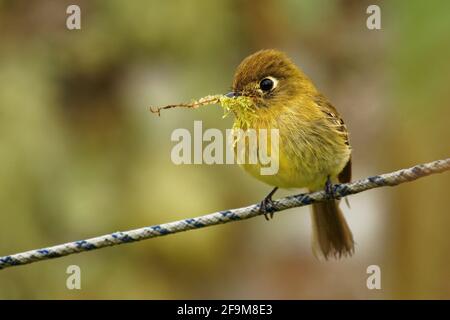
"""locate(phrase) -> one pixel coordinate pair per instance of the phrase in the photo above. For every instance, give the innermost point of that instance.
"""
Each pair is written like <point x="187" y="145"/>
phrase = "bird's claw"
<point x="329" y="189"/>
<point x="266" y="208"/>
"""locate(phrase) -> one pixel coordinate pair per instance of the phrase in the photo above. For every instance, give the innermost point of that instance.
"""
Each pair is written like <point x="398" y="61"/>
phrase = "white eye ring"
<point x="269" y="82"/>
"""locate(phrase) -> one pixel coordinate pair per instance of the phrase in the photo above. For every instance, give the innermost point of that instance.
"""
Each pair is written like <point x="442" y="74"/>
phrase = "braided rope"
<point x="116" y="238"/>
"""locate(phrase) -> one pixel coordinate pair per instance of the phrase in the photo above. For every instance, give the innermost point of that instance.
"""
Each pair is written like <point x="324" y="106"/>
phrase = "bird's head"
<point x="269" y="78"/>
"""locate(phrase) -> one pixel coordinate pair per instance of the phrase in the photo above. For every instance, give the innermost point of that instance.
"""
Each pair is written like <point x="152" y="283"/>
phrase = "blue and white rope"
<point x="116" y="238"/>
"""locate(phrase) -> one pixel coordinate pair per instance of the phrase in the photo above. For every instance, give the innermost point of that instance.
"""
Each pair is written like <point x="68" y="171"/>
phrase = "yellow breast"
<point x="310" y="148"/>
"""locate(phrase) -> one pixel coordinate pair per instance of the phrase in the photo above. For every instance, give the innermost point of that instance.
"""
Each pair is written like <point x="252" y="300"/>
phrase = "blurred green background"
<point x="81" y="156"/>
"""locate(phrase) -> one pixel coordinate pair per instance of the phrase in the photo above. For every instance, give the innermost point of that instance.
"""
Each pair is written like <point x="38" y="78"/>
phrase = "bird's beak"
<point x="233" y="94"/>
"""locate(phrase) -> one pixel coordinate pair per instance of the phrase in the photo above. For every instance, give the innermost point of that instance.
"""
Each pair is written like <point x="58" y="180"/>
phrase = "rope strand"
<point x="303" y="199"/>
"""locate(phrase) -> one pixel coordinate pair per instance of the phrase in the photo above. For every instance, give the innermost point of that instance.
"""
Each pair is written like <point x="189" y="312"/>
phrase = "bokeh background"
<point x="81" y="156"/>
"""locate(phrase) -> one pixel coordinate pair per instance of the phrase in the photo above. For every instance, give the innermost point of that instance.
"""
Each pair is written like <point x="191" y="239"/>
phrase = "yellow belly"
<point x="308" y="154"/>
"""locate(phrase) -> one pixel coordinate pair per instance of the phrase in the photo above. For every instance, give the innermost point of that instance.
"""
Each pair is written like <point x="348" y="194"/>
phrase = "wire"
<point x="304" y="199"/>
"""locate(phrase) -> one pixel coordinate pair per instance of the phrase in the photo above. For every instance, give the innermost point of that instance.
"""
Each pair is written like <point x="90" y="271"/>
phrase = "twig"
<point x="339" y="190"/>
<point x="193" y="105"/>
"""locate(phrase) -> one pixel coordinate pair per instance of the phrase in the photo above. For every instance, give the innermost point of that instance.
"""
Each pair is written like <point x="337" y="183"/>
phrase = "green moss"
<point x="242" y="108"/>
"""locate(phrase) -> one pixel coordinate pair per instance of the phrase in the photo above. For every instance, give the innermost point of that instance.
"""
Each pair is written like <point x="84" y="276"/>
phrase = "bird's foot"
<point x="266" y="206"/>
<point x="329" y="190"/>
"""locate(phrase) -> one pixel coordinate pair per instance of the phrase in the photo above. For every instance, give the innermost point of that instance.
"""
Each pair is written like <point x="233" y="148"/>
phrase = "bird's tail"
<point x="331" y="235"/>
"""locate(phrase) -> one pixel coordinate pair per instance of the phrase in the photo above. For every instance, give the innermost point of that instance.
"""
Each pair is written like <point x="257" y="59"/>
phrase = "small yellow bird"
<point x="314" y="149"/>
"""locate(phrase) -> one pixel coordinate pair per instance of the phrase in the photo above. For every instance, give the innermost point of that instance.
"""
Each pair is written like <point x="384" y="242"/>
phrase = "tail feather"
<point x="331" y="235"/>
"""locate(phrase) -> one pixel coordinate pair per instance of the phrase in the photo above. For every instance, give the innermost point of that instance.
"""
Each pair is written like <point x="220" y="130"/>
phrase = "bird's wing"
<point x="333" y="116"/>
<point x="346" y="174"/>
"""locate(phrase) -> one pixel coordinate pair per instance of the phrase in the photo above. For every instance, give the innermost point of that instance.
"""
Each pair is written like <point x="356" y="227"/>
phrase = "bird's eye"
<point x="267" y="84"/>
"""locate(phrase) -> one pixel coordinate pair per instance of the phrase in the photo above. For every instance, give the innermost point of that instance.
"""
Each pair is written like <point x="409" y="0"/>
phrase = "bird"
<point x="314" y="148"/>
